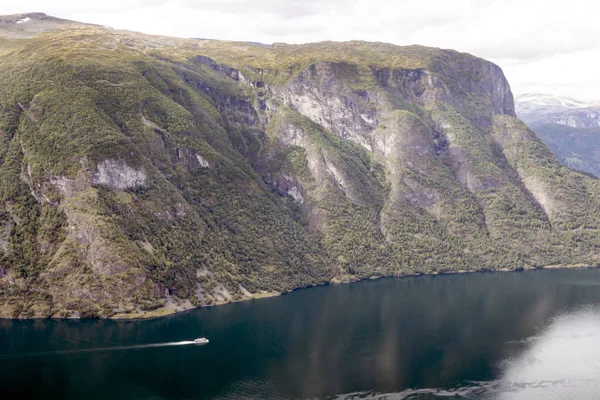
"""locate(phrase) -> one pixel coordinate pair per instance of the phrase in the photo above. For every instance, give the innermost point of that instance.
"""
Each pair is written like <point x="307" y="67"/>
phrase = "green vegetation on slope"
<point x="141" y="175"/>
<point x="217" y="227"/>
<point x="575" y="147"/>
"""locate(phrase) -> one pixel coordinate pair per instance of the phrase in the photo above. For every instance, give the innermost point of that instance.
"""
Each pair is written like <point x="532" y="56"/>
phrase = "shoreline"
<point x="340" y="282"/>
<point x="163" y="311"/>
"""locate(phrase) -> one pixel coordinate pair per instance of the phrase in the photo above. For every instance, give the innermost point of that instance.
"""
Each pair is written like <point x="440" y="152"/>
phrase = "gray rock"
<point x="116" y="174"/>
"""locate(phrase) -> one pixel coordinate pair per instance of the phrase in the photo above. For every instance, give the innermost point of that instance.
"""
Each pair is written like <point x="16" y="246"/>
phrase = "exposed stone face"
<point x="438" y="147"/>
<point x="319" y="94"/>
<point x="202" y="161"/>
<point x="543" y="195"/>
<point x="116" y="174"/>
<point x="64" y="185"/>
<point x="293" y="136"/>
<point x="295" y="193"/>
<point x="475" y="87"/>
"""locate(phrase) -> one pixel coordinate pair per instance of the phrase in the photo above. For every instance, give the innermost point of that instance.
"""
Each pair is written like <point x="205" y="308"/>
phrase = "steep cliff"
<point x="142" y="175"/>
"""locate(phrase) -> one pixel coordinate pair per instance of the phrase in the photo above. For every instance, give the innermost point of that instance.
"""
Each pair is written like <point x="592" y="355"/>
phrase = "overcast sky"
<point x="547" y="46"/>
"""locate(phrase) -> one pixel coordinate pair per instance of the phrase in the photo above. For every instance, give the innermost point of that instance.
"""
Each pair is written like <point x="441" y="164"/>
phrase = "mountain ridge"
<point x="571" y="128"/>
<point x="28" y="25"/>
<point x="537" y="109"/>
<point x="143" y="175"/>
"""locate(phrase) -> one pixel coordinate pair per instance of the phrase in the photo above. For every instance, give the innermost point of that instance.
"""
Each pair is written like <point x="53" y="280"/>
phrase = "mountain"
<point x="571" y="128"/>
<point x="140" y="175"/>
<point x="31" y="24"/>
<point x="536" y="109"/>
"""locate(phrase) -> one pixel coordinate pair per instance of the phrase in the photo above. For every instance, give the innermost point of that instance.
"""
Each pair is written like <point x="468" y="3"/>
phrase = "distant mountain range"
<point x="570" y="127"/>
<point x="535" y="109"/>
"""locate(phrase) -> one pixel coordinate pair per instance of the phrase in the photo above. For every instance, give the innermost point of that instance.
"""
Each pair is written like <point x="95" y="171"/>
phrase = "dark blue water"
<point x="519" y="335"/>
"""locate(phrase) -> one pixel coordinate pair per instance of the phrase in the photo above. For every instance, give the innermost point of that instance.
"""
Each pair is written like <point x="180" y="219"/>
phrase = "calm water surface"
<point x="521" y="335"/>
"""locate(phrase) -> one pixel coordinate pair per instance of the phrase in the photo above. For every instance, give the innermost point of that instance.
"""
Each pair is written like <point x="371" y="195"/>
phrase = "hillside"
<point x="141" y="175"/>
<point x="571" y="128"/>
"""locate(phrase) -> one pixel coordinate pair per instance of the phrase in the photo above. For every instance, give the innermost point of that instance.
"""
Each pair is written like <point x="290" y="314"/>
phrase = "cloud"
<point x="285" y="9"/>
<point x="522" y="36"/>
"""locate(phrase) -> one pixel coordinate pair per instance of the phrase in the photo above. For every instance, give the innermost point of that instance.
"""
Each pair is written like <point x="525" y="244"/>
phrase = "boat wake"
<point x="97" y="349"/>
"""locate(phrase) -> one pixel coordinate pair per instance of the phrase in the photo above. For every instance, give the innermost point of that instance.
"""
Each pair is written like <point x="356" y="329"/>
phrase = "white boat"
<point x="201" y="340"/>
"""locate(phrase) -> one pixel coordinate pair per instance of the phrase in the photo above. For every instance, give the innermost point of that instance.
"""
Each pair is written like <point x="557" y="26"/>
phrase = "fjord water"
<point x="519" y="335"/>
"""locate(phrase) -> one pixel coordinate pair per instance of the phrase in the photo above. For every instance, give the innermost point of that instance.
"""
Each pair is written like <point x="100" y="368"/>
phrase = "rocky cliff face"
<point x="144" y="175"/>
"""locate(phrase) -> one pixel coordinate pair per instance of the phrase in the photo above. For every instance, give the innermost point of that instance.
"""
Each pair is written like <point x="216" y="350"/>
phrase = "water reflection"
<point x="478" y="336"/>
<point x="563" y="362"/>
<point x="433" y="332"/>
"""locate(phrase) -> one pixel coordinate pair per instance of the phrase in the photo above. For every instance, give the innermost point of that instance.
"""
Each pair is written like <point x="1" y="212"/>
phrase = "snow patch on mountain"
<point x="546" y="108"/>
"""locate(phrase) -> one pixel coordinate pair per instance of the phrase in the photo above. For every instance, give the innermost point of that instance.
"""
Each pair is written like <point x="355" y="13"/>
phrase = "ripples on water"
<point x="563" y="362"/>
